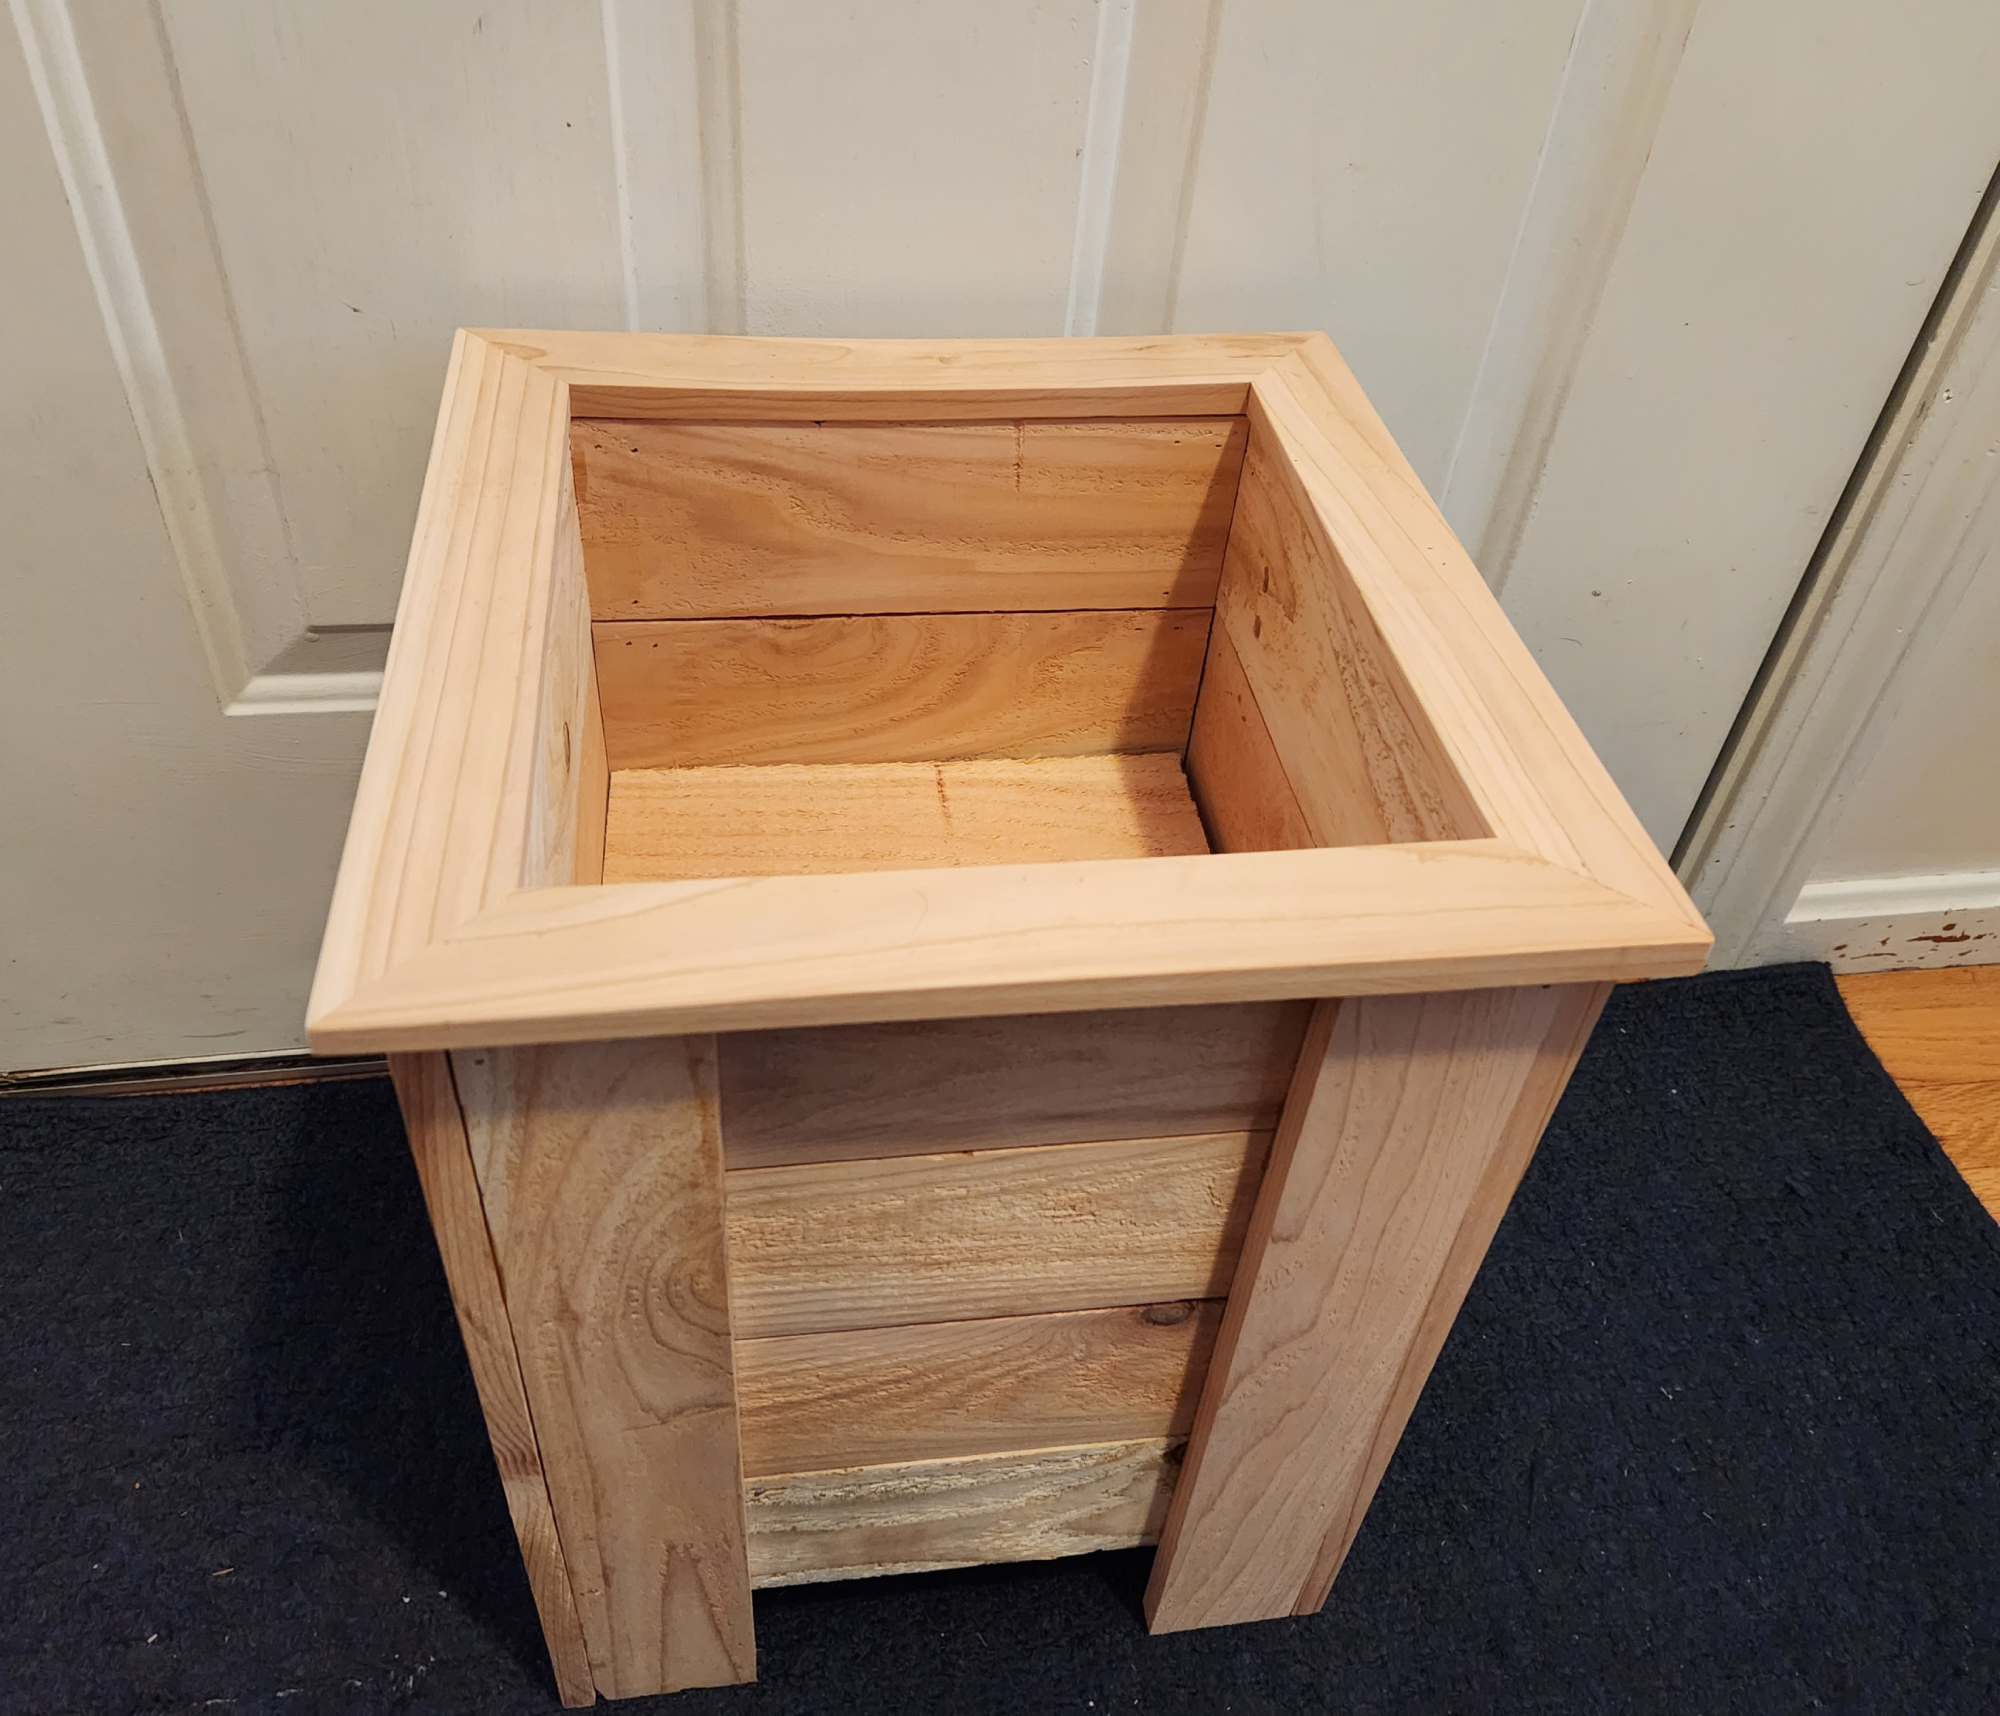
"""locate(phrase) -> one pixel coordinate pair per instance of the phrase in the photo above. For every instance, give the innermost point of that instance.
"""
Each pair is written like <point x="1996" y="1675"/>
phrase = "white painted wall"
<point x="1628" y="278"/>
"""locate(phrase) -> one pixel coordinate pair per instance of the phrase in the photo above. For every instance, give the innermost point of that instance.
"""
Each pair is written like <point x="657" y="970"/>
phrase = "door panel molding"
<point x="109" y="97"/>
<point x="1920" y="518"/>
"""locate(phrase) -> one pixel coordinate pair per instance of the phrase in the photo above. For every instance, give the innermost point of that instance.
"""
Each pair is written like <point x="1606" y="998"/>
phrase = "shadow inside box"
<point x="354" y="1369"/>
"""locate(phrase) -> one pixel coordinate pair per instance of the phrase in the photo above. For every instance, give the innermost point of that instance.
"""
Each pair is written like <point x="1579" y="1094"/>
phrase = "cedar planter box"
<point x="974" y="936"/>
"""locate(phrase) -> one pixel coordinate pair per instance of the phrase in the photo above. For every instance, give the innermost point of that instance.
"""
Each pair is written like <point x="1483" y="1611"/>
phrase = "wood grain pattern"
<point x="846" y="1091"/>
<point x="897" y="688"/>
<point x="1930" y="1025"/>
<point x="907" y="1517"/>
<point x="931" y="1391"/>
<point x="1409" y="1124"/>
<point x="451" y="1195"/>
<point x="987" y="1233"/>
<point x="713" y="520"/>
<point x="1344" y="723"/>
<point x="1233" y="770"/>
<point x="610" y="1244"/>
<point x="793" y="819"/>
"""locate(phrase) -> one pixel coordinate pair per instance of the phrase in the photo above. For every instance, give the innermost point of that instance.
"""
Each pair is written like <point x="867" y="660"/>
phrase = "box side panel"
<point x="898" y="688"/>
<point x="721" y="520"/>
<point x="1002" y="1245"/>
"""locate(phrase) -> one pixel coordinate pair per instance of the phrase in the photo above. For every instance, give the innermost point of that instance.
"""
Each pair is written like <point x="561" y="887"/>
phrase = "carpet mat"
<point x="1718" y="1430"/>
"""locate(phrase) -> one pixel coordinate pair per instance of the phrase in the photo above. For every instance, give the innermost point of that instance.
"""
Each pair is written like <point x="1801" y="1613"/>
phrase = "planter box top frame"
<point x="456" y="921"/>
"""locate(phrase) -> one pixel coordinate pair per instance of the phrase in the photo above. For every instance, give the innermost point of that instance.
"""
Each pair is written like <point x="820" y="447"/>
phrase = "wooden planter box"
<point x="975" y="936"/>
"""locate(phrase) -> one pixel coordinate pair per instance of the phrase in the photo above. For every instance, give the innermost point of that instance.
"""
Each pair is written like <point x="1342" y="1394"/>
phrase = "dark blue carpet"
<point x="1718" y="1430"/>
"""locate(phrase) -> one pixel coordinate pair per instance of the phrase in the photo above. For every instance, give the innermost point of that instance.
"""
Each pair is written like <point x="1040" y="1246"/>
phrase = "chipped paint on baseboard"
<point x="1897" y="923"/>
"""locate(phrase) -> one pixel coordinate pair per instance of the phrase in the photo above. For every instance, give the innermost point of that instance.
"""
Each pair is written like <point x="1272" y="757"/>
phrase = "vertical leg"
<point x="601" y="1165"/>
<point x="444" y="1165"/>
<point x="1409" y="1123"/>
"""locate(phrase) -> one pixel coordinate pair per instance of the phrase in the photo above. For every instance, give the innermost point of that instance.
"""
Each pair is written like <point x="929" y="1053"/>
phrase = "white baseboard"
<point x="1894" y="923"/>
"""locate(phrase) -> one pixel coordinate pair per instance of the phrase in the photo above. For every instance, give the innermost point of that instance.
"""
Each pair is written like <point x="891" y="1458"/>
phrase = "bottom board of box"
<point x="920" y="1515"/>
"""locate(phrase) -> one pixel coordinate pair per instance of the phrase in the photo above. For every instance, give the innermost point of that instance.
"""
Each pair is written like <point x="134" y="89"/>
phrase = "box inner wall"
<point x="825" y="647"/>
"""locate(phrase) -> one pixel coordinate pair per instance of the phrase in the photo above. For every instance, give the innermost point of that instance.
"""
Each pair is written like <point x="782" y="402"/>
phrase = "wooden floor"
<point x="1938" y="1033"/>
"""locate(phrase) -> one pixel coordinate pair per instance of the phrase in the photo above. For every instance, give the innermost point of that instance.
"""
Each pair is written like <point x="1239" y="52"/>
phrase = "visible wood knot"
<point x="1169" y="1315"/>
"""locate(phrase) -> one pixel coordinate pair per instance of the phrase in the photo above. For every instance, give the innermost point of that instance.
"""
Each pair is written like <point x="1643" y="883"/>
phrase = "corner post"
<point x="1409" y="1123"/>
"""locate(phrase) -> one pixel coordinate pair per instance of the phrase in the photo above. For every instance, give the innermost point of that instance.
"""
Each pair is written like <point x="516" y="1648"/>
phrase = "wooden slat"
<point x="451" y="1194"/>
<point x="897" y="688"/>
<point x="907" y="1518"/>
<point x="602" y="1165"/>
<point x="1410" y="1123"/>
<point x="1247" y="803"/>
<point x="989" y="1233"/>
<point x="845" y="1091"/>
<point x="712" y="520"/>
<point x="1344" y="723"/>
<point x="791" y="819"/>
<point x="931" y="1391"/>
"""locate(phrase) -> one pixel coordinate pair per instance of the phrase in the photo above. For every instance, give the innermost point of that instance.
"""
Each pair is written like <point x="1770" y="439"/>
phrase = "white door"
<point x="1630" y="279"/>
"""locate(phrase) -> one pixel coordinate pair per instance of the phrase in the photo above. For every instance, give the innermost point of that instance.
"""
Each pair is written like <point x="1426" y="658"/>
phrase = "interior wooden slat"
<point x="897" y="688"/>
<point x="1347" y="729"/>
<point x="922" y="1086"/>
<point x="711" y="520"/>
<point x="794" y="819"/>
<point x="1239" y="783"/>
<point x="987" y="1233"/>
